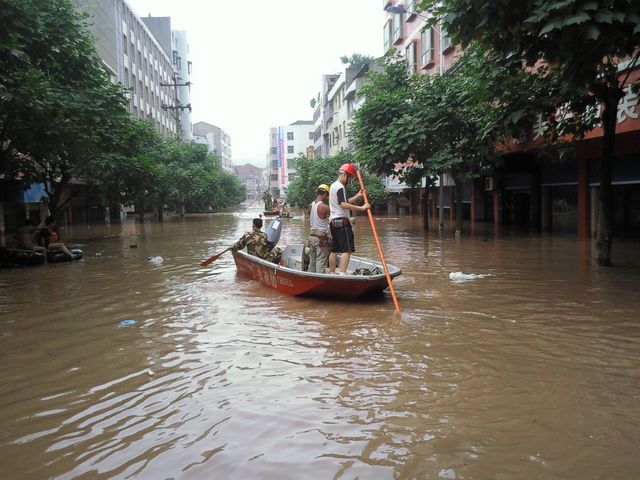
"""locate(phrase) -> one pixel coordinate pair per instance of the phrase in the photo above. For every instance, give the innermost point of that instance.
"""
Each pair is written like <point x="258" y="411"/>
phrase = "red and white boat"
<point x="292" y="280"/>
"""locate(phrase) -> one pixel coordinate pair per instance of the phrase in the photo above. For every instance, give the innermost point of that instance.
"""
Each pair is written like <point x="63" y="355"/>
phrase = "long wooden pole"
<point x="375" y="235"/>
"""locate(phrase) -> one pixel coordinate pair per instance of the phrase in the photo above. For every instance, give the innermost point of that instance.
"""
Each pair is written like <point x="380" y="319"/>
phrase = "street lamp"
<point x="401" y="9"/>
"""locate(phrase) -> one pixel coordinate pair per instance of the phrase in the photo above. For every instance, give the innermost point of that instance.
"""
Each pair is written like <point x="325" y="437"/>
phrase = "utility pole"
<point x="177" y="107"/>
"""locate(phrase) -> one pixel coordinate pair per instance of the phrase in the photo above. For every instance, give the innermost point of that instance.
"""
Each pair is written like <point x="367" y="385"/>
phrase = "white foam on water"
<point x="459" y="277"/>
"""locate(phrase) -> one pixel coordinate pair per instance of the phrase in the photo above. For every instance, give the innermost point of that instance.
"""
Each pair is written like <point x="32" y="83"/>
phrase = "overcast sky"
<point x="259" y="65"/>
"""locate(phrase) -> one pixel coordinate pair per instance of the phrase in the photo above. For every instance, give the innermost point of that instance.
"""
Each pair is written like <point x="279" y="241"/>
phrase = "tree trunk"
<point x="605" y="206"/>
<point x="161" y="209"/>
<point x="139" y="206"/>
<point x="441" y="203"/>
<point x="425" y="207"/>
<point x="459" y="205"/>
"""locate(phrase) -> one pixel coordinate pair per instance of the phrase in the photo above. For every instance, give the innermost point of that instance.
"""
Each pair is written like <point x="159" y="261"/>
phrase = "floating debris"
<point x="459" y="277"/>
<point x="156" y="260"/>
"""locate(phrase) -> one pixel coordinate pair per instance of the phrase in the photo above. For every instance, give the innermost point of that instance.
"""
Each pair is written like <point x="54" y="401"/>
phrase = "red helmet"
<point x="348" y="168"/>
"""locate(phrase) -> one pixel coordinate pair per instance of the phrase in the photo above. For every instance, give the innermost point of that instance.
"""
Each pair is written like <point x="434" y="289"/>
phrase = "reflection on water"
<point x="532" y="372"/>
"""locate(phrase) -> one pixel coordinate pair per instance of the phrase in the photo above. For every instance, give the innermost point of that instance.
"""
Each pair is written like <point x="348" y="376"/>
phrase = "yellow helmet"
<point x="324" y="187"/>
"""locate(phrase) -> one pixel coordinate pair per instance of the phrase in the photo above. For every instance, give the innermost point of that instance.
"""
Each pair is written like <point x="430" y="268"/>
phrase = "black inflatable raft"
<point x="11" y="257"/>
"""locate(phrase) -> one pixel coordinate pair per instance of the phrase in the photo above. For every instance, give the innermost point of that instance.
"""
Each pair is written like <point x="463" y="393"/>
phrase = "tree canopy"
<point x="58" y="109"/>
<point x="356" y="60"/>
<point x="421" y="125"/>
<point x="312" y="172"/>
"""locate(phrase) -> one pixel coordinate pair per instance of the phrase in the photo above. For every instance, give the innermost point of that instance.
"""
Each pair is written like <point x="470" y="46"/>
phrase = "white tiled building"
<point x="286" y="143"/>
<point x="217" y="140"/>
<point x="134" y="57"/>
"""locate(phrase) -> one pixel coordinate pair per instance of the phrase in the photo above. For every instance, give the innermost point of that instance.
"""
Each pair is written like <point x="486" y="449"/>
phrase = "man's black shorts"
<point x="342" y="235"/>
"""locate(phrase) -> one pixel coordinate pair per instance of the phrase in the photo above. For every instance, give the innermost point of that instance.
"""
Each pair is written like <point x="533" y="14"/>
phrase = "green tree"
<point x="58" y="109"/>
<point x="417" y="126"/>
<point x="312" y="172"/>
<point x="193" y="179"/>
<point x="130" y="173"/>
<point x="356" y="60"/>
<point x="582" y="41"/>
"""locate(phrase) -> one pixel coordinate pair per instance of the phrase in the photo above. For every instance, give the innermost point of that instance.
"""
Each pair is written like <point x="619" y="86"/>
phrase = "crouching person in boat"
<point x="256" y="243"/>
<point x="319" y="241"/>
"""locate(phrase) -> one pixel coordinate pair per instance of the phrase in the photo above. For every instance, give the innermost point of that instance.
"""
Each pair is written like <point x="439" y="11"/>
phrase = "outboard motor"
<point x="273" y="231"/>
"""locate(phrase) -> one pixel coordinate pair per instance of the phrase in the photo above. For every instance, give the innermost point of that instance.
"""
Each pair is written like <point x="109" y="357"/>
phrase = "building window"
<point x="290" y="149"/>
<point x="386" y="30"/>
<point x="274" y="164"/>
<point x="289" y="135"/>
<point x="446" y="40"/>
<point x="411" y="56"/>
<point x="426" y="40"/>
<point x="291" y="163"/>
<point x="396" y="35"/>
<point x="411" y="9"/>
<point x="274" y="150"/>
<point x="310" y="135"/>
<point x="274" y="177"/>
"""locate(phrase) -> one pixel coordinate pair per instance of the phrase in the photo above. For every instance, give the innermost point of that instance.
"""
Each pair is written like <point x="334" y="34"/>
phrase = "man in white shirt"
<point x="340" y="207"/>
<point x="319" y="240"/>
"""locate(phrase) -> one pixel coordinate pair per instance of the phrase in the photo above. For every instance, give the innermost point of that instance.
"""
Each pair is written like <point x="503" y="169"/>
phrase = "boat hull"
<point x="298" y="283"/>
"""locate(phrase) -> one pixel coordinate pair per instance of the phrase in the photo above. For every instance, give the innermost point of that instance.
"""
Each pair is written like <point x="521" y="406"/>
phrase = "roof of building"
<point x="247" y="169"/>
<point x="302" y="122"/>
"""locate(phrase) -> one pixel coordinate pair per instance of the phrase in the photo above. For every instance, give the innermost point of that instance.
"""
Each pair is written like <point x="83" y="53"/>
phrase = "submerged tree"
<point x="592" y="45"/>
<point x="58" y="110"/>
<point x="416" y="126"/>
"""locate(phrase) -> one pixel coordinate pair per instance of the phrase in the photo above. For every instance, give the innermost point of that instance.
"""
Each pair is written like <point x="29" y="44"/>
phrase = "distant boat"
<point x="271" y="213"/>
<point x="292" y="280"/>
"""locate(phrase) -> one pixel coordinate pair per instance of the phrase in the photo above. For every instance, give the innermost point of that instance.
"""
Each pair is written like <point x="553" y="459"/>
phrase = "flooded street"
<point x="531" y="372"/>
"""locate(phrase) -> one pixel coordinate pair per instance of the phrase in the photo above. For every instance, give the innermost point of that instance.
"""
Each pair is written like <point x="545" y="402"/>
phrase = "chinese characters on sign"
<point x="627" y="108"/>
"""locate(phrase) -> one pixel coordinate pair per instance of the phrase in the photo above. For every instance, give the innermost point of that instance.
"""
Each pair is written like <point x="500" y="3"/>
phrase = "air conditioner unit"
<point x="488" y="183"/>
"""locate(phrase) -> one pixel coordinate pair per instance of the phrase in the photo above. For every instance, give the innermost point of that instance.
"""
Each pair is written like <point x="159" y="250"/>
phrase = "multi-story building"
<point x="323" y="117"/>
<point x="176" y="46"/>
<point x="427" y="49"/>
<point x="286" y="143"/>
<point x="217" y="140"/>
<point x="337" y="111"/>
<point x="251" y="177"/>
<point x="134" y="57"/>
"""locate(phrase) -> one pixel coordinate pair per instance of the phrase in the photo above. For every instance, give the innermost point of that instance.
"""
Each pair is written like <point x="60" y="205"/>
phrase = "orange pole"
<point x="375" y="235"/>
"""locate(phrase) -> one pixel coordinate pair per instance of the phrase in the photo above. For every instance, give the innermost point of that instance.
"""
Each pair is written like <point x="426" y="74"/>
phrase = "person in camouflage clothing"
<point x="268" y="201"/>
<point x="256" y="243"/>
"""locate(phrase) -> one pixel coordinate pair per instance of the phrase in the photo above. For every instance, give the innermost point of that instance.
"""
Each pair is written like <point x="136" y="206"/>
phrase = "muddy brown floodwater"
<point x="530" y="372"/>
